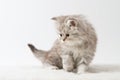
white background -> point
(28, 21)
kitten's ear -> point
(72, 23)
(59, 19)
(54, 18)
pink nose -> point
(63, 39)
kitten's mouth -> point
(71, 42)
(62, 41)
(66, 41)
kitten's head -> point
(69, 29)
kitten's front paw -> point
(68, 69)
(81, 71)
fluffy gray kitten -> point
(74, 49)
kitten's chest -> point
(76, 52)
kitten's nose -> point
(64, 38)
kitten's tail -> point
(33, 49)
(40, 54)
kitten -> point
(76, 45)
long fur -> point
(76, 45)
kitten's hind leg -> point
(50, 67)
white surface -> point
(99, 72)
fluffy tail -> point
(33, 49)
(40, 54)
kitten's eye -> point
(61, 35)
(67, 35)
